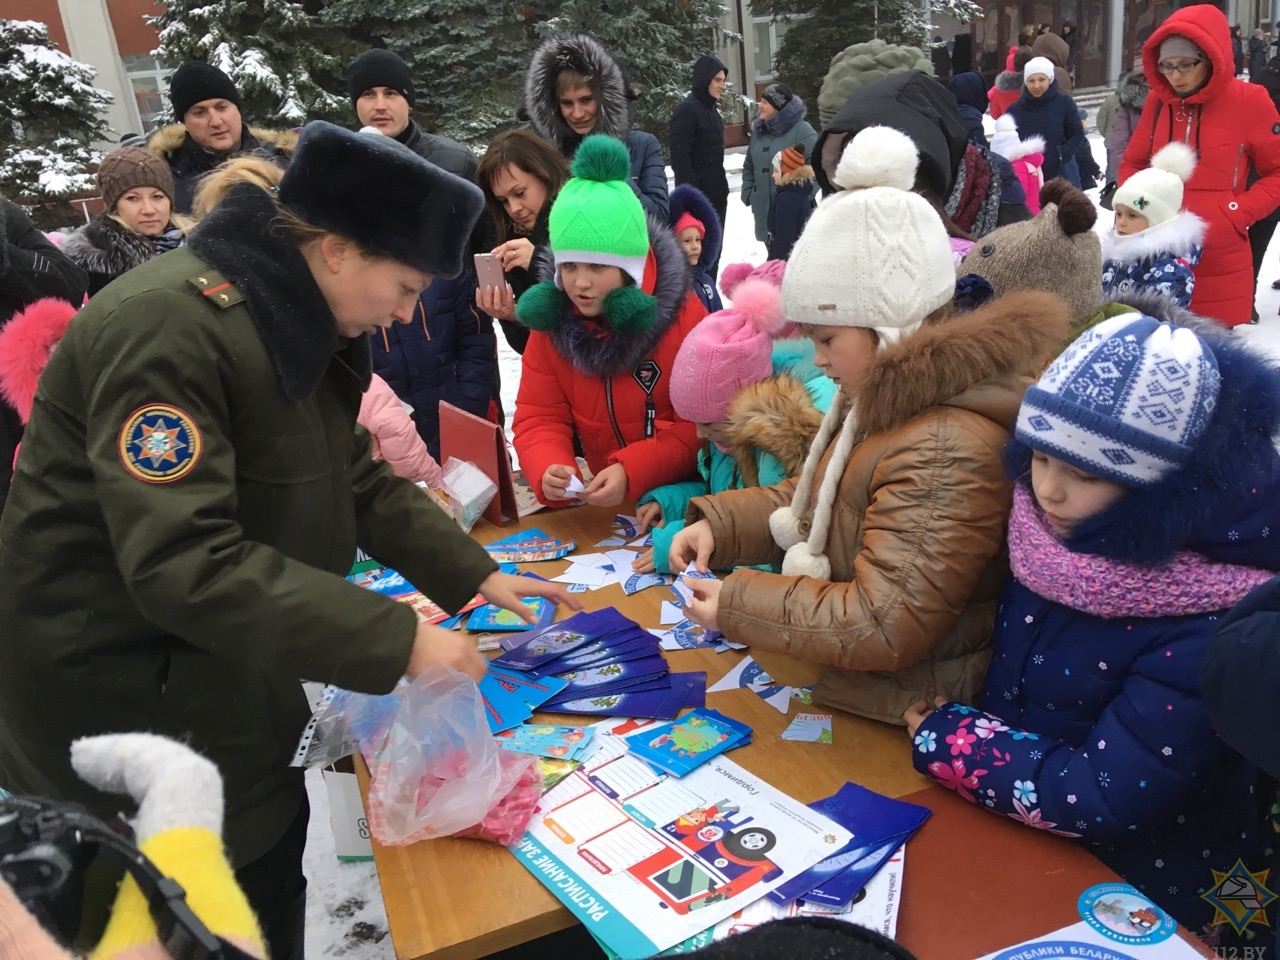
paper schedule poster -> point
(646, 861)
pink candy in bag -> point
(436, 771)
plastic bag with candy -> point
(436, 772)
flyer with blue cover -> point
(646, 861)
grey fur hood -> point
(579, 342)
(1008, 80)
(106, 246)
(1133, 90)
(587, 55)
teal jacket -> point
(770, 427)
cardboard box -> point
(351, 839)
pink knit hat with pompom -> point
(729, 350)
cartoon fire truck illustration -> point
(711, 857)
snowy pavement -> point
(345, 915)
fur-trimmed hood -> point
(590, 57)
(168, 140)
(106, 246)
(1029, 147)
(1193, 506)
(1133, 90)
(1009, 80)
(593, 348)
(981, 360)
(687, 198)
(26, 343)
(800, 175)
(776, 416)
(1181, 237)
(792, 113)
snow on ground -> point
(345, 915)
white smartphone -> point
(489, 271)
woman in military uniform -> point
(192, 488)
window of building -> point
(768, 37)
(150, 82)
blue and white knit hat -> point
(1127, 401)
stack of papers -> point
(880, 826)
(687, 635)
(681, 747)
(530, 547)
(373, 576)
(606, 664)
(556, 743)
(510, 697)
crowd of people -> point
(1011, 481)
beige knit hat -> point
(1056, 251)
(127, 167)
(875, 255)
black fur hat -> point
(382, 195)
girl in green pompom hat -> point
(606, 321)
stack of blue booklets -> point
(608, 665)
(880, 825)
(686, 744)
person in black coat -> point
(970, 91)
(697, 136)
(445, 353)
(1258, 47)
(1237, 50)
(31, 268)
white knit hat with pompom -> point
(873, 255)
(1156, 192)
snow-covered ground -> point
(345, 915)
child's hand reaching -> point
(918, 711)
(608, 488)
(694, 544)
(705, 608)
(555, 481)
(648, 515)
(643, 563)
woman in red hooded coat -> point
(1234, 129)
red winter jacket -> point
(581, 377)
(1231, 125)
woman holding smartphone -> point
(521, 175)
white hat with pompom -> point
(874, 254)
(1156, 192)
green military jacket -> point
(191, 490)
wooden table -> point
(973, 882)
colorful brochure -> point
(685, 690)
(682, 746)
(558, 639)
(562, 743)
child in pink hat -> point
(757, 401)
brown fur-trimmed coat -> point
(917, 531)
(774, 416)
(190, 162)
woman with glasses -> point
(1235, 131)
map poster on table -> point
(646, 861)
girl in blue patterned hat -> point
(1144, 509)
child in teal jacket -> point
(757, 402)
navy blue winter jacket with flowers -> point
(1160, 258)
(1092, 723)
(1093, 727)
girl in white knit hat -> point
(890, 539)
(1155, 243)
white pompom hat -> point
(1156, 192)
(874, 255)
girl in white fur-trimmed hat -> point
(889, 541)
(1155, 243)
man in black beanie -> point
(381, 89)
(209, 130)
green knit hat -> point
(597, 217)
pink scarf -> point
(1187, 584)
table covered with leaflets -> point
(965, 885)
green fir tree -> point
(285, 61)
(51, 115)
